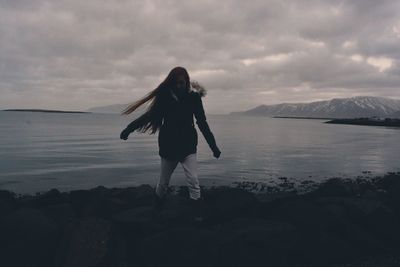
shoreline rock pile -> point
(339, 223)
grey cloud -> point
(98, 53)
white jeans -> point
(189, 165)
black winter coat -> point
(178, 137)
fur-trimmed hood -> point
(198, 88)
(195, 87)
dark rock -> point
(50, 197)
(334, 187)
(176, 212)
(103, 207)
(390, 182)
(61, 213)
(358, 207)
(88, 244)
(95, 203)
(183, 246)
(335, 210)
(79, 200)
(361, 241)
(181, 211)
(384, 224)
(321, 248)
(354, 208)
(299, 211)
(8, 202)
(101, 191)
(28, 238)
(137, 222)
(255, 242)
(340, 222)
(142, 195)
(228, 203)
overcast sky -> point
(74, 54)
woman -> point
(174, 102)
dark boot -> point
(197, 209)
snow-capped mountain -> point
(396, 115)
(360, 106)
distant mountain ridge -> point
(116, 108)
(353, 107)
(45, 110)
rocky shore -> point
(340, 222)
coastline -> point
(340, 222)
(45, 111)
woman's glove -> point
(124, 134)
(216, 152)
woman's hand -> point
(216, 153)
(124, 134)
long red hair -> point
(154, 120)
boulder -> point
(180, 246)
(255, 242)
(228, 203)
(88, 243)
(8, 202)
(28, 238)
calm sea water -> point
(40, 151)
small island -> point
(46, 110)
(388, 122)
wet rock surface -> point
(339, 222)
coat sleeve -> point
(139, 122)
(201, 122)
